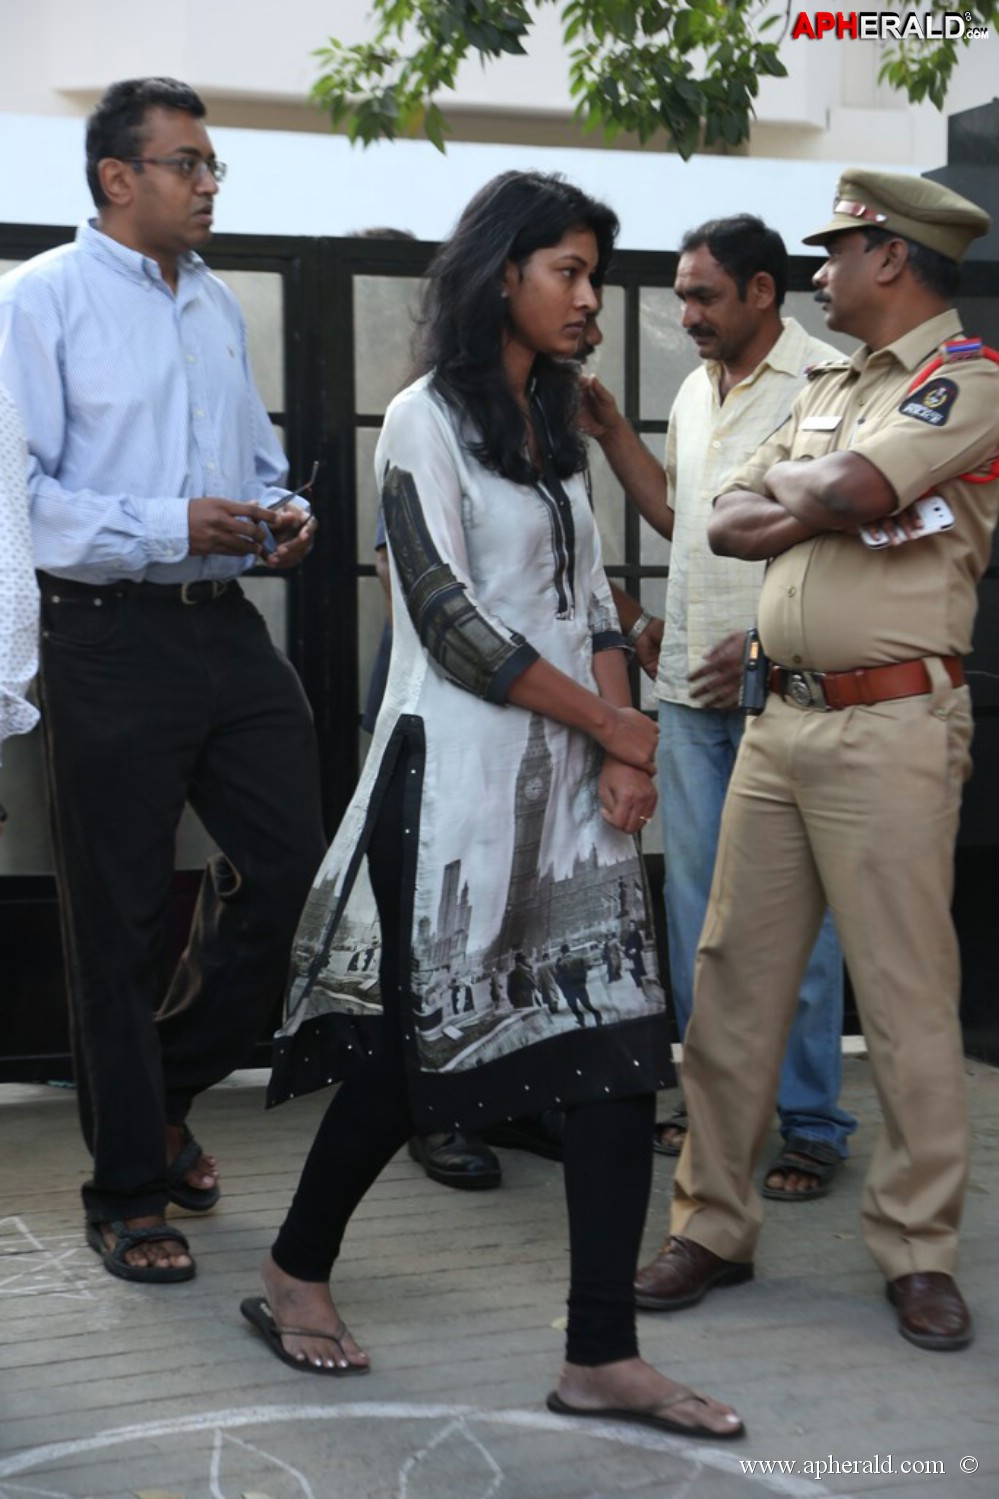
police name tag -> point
(819, 423)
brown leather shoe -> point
(682, 1274)
(932, 1313)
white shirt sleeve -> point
(18, 589)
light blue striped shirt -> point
(18, 591)
(134, 401)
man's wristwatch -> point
(639, 627)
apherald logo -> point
(884, 25)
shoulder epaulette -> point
(812, 371)
(955, 349)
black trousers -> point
(148, 702)
(607, 1163)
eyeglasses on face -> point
(191, 168)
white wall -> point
(253, 56)
(287, 183)
(247, 49)
(853, 117)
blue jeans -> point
(697, 749)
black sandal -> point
(126, 1238)
(807, 1158)
(676, 1121)
(195, 1199)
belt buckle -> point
(217, 586)
(804, 689)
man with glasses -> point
(156, 481)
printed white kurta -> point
(515, 884)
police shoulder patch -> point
(932, 402)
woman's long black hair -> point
(464, 317)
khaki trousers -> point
(859, 809)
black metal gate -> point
(340, 351)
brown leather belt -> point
(832, 690)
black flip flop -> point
(180, 1192)
(125, 1238)
(259, 1315)
(648, 1418)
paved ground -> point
(109, 1390)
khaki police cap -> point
(913, 207)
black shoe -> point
(544, 1136)
(457, 1160)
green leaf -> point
(434, 127)
(771, 65)
(690, 70)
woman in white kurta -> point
(489, 851)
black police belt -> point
(199, 591)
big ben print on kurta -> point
(506, 850)
(531, 795)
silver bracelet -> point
(639, 627)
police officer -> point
(847, 788)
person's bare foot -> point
(670, 1137)
(669, 1134)
(632, 1384)
(308, 1304)
(158, 1254)
(790, 1183)
(805, 1169)
(204, 1174)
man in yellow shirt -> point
(731, 281)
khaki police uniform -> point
(857, 807)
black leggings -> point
(608, 1153)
